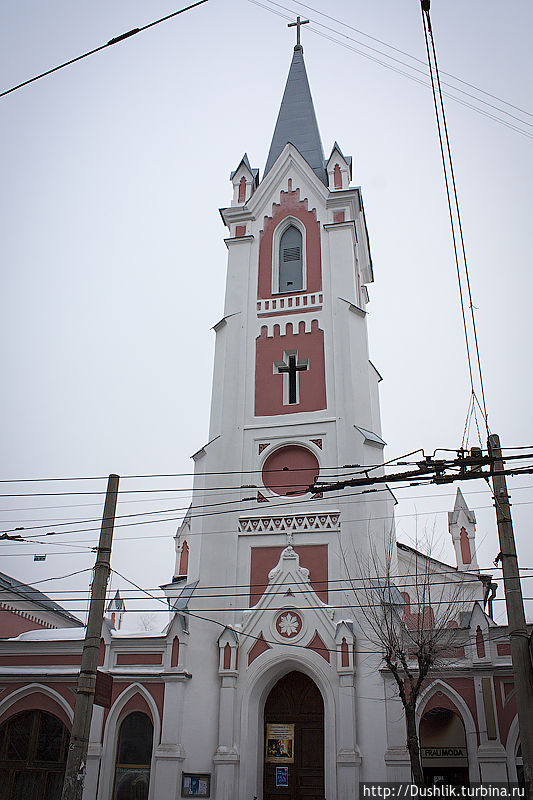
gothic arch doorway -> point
(294, 740)
(443, 747)
(33, 754)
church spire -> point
(297, 121)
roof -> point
(116, 604)
(460, 505)
(297, 122)
(32, 595)
(244, 160)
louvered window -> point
(291, 254)
(290, 261)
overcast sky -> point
(113, 261)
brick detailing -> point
(290, 523)
(128, 659)
(227, 656)
(290, 205)
(259, 647)
(175, 655)
(480, 643)
(184, 560)
(312, 381)
(505, 699)
(317, 644)
(313, 557)
(465, 688)
(503, 649)
(417, 619)
(466, 555)
(345, 659)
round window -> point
(290, 470)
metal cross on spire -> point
(298, 24)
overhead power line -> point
(87, 545)
(111, 42)
(399, 71)
(244, 635)
(408, 55)
(232, 472)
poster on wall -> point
(193, 785)
(282, 776)
(279, 743)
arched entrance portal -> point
(33, 754)
(443, 747)
(294, 740)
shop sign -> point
(444, 752)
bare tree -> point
(147, 622)
(412, 608)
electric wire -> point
(424, 83)
(33, 539)
(450, 212)
(157, 499)
(89, 546)
(239, 632)
(472, 576)
(355, 470)
(190, 511)
(409, 66)
(111, 42)
(240, 472)
(408, 55)
(429, 31)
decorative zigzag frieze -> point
(290, 523)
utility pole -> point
(516, 618)
(83, 710)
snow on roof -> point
(50, 635)
(29, 593)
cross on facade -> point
(291, 367)
(298, 24)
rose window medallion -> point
(288, 624)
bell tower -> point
(260, 561)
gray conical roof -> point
(297, 121)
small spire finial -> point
(298, 24)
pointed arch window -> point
(33, 754)
(184, 560)
(134, 756)
(291, 261)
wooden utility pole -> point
(81, 725)
(516, 618)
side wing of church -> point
(265, 684)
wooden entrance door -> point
(296, 700)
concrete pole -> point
(516, 618)
(79, 738)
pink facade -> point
(269, 385)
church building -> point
(265, 684)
